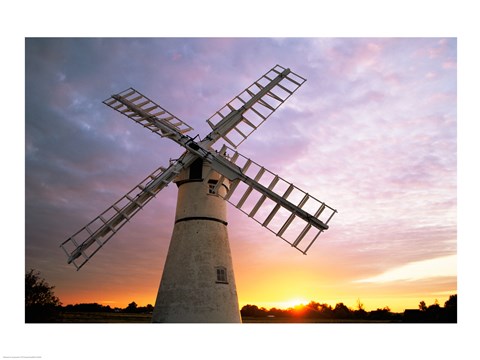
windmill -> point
(198, 283)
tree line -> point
(41, 305)
(131, 308)
(316, 310)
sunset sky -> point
(372, 132)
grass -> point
(127, 318)
(299, 320)
(104, 317)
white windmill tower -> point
(198, 283)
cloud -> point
(418, 270)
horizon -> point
(284, 305)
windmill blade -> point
(147, 113)
(85, 243)
(249, 109)
(281, 207)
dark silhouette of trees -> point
(253, 311)
(88, 307)
(360, 313)
(341, 311)
(326, 311)
(433, 313)
(148, 308)
(451, 302)
(41, 304)
(360, 305)
(134, 308)
(313, 310)
(98, 308)
(274, 312)
(451, 309)
(316, 310)
(131, 308)
(380, 314)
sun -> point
(294, 303)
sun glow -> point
(292, 303)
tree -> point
(380, 314)
(41, 304)
(132, 307)
(422, 306)
(451, 309)
(326, 311)
(360, 313)
(253, 311)
(38, 291)
(360, 305)
(145, 309)
(451, 302)
(341, 311)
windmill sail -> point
(85, 243)
(147, 113)
(276, 204)
(249, 109)
(281, 207)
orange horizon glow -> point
(270, 286)
(369, 303)
(284, 285)
(397, 306)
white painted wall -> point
(189, 291)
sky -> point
(372, 132)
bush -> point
(41, 304)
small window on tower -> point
(221, 275)
(211, 186)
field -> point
(104, 317)
(293, 320)
(126, 318)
